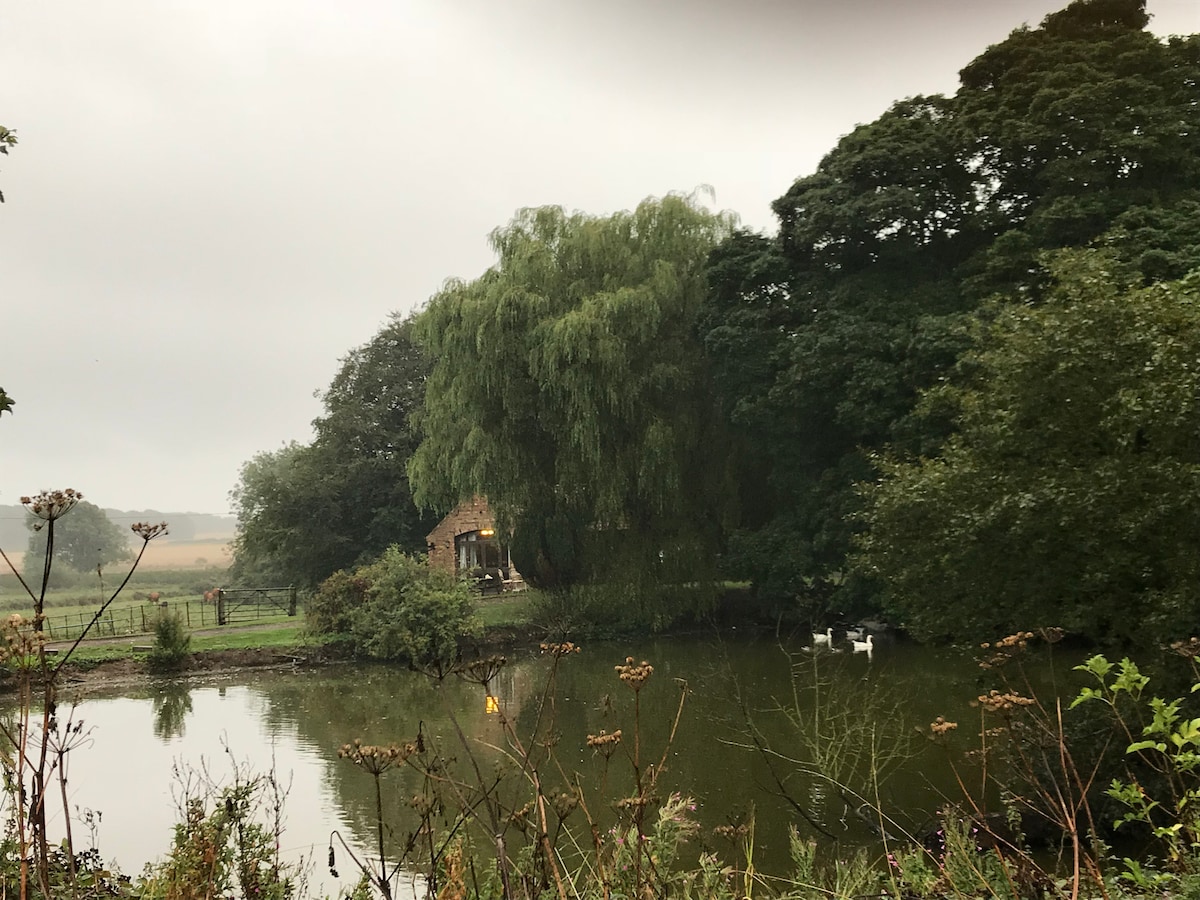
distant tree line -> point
(958, 385)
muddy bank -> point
(133, 669)
(207, 662)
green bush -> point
(333, 605)
(395, 608)
(171, 643)
(222, 848)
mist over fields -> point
(185, 528)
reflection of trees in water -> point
(172, 703)
(327, 708)
(380, 705)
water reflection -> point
(792, 739)
(172, 702)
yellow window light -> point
(492, 706)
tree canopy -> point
(1083, 131)
(84, 540)
(570, 388)
(306, 511)
(1070, 493)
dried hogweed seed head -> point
(50, 505)
(376, 759)
(559, 650)
(995, 701)
(482, 671)
(147, 531)
(940, 726)
(634, 675)
(1189, 648)
(565, 804)
(604, 742)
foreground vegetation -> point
(519, 820)
(526, 826)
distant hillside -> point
(182, 526)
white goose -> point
(823, 640)
(857, 633)
(864, 646)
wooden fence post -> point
(220, 607)
(292, 600)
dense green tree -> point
(84, 539)
(570, 388)
(283, 506)
(305, 511)
(1082, 131)
(1070, 493)
(1068, 126)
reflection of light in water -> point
(131, 776)
(819, 796)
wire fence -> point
(251, 607)
(128, 620)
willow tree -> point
(570, 388)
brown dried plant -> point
(38, 747)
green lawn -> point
(504, 609)
(284, 635)
(287, 631)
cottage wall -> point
(470, 515)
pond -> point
(777, 730)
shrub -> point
(395, 608)
(332, 607)
(227, 844)
(171, 643)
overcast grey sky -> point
(212, 202)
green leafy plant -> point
(397, 607)
(171, 643)
(1168, 743)
(35, 739)
(227, 844)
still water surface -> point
(818, 715)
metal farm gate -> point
(238, 606)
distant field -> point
(187, 554)
(167, 554)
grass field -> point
(181, 588)
(88, 592)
